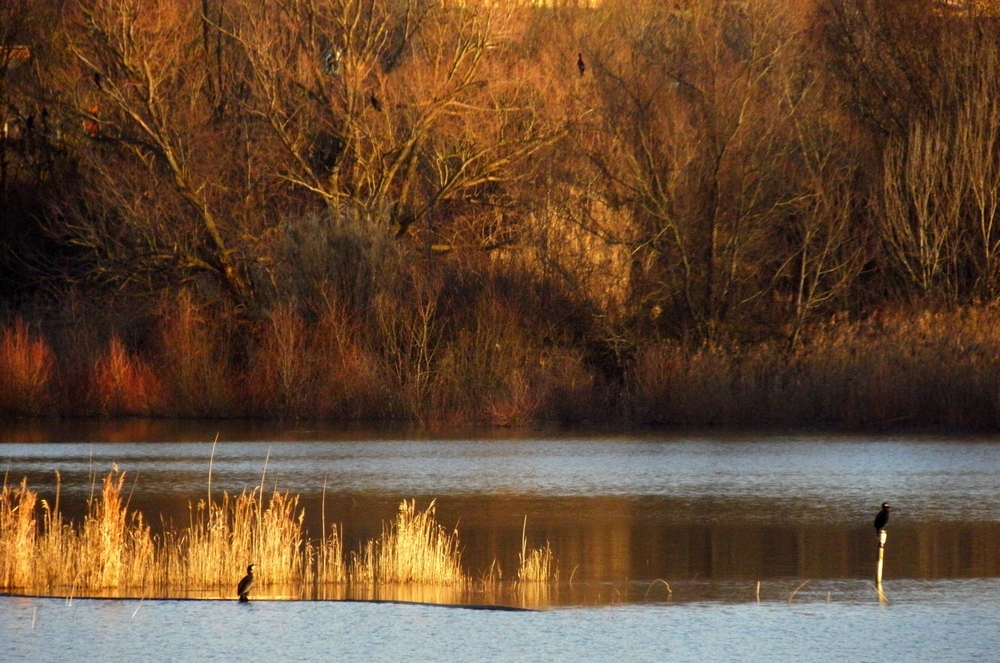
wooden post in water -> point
(881, 552)
(878, 571)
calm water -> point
(932, 621)
(711, 515)
(615, 508)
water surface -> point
(953, 621)
(709, 514)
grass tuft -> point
(413, 548)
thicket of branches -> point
(486, 209)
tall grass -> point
(112, 548)
(236, 531)
(536, 564)
(19, 543)
(113, 551)
(536, 571)
(413, 548)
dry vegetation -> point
(114, 552)
(745, 213)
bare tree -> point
(941, 184)
(889, 54)
(687, 136)
(14, 55)
(827, 247)
(169, 183)
(976, 141)
(399, 108)
(921, 210)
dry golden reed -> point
(112, 548)
(413, 548)
(535, 565)
(114, 552)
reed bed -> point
(114, 552)
(413, 548)
(112, 548)
(224, 536)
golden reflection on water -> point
(615, 539)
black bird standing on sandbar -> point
(882, 518)
(580, 64)
(244, 587)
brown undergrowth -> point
(26, 371)
(894, 370)
(900, 369)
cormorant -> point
(882, 518)
(244, 587)
(376, 104)
(580, 64)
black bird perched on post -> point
(580, 64)
(244, 587)
(882, 518)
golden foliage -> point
(26, 370)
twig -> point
(670, 592)
(804, 583)
(211, 459)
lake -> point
(765, 541)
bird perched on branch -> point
(244, 587)
(580, 65)
(882, 518)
